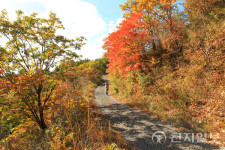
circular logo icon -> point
(159, 137)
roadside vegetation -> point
(45, 104)
(167, 57)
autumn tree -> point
(32, 49)
(79, 72)
(126, 45)
(149, 35)
(164, 28)
(206, 30)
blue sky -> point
(93, 19)
(108, 9)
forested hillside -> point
(46, 91)
(167, 57)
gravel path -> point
(138, 129)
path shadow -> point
(138, 130)
(142, 131)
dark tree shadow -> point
(138, 129)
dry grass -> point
(73, 123)
(92, 132)
(189, 98)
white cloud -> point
(114, 24)
(79, 18)
(94, 50)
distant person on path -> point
(107, 87)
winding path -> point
(138, 129)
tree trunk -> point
(41, 122)
(43, 127)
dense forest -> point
(166, 57)
(46, 91)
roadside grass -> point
(73, 123)
(187, 98)
(92, 132)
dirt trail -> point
(138, 129)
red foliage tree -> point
(126, 45)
